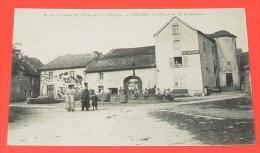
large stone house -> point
(65, 70)
(27, 82)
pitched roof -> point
(70, 61)
(221, 33)
(186, 24)
(123, 58)
(30, 66)
(171, 21)
(35, 63)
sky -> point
(48, 33)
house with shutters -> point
(65, 70)
(26, 83)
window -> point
(176, 44)
(30, 93)
(175, 29)
(178, 81)
(228, 63)
(50, 76)
(204, 46)
(31, 80)
(215, 67)
(25, 93)
(178, 62)
(101, 76)
(100, 88)
(72, 73)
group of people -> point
(86, 97)
(166, 94)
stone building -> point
(185, 58)
(227, 56)
(27, 82)
(65, 70)
(115, 69)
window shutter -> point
(171, 61)
(185, 61)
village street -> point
(132, 124)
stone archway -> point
(139, 84)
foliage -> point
(17, 59)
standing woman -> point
(85, 99)
(70, 98)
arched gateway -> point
(129, 86)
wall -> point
(115, 79)
(226, 47)
(208, 58)
(60, 82)
(20, 83)
(164, 49)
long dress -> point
(85, 99)
(70, 99)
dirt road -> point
(130, 124)
(121, 125)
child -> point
(95, 100)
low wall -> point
(43, 101)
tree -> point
(17, 59)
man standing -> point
(85, 98)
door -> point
(50, 91)
(229, 79)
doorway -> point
(127, 84)
(229, 79)
(50, 91)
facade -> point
(115, 70)
(27, 82)
(65, 70)
(185, 58)
(227, 55)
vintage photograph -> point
(130, 77)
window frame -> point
(179, 81)
(177, 65)
(31, 80)
(101, 76)
(72, 74)
(100, 87)
(50, 76)
(204, 46)
(25, 93)
(184, 62)
(175, 29)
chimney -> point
(98, 55)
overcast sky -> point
(49, 33)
